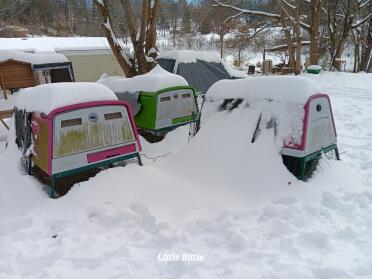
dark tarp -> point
(167, 64)
(200, 75)
(132, 99)
(23, 129)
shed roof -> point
(47, 97)
(32, 58)
(285, 47)
(288, 89)
(153, 81)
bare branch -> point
(247, 12)
(289, 5)
(362, 4)
(362, 21)
(232, 17)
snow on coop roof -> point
(153, 81)
(32, 58)
(289, 89)
(47, 97)
(192, 56)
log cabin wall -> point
(17, 74)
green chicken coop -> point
(160, 101)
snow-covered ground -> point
(218, 196)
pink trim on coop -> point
(102, 155)
(302, 145)
(54, 112)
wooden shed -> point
(20, 70)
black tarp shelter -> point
(201, 69)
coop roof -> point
(32, 58)
(47, 97)
(153, 81)
(289, 89)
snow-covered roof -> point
(289, 89)
(153, 81)
(47, 97)
(190, 56)
(33, 59)
(57, 44)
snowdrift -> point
(219, 195)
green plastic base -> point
(303, 167)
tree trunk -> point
(222, 41)
(356, 37)
(316, 10)
(117, 50)
(366, 55)
(143, 39)
(298, 68)
(340, 49)
(288, 37)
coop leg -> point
(52, 187)
(337, 154)
(139, 160)
(302, 169)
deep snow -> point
(218, 195)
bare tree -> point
(142, 34)
(343, 17)
(244, 35)
(365, 63)
(288, 17)
(7, 7)
(313, 27)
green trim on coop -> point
(147, 117)
(303, 167)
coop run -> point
(70, 131)
(160, 101)
(293, 107)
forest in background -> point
(331, 26)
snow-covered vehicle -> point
(161, 101)
(67, 129)
(300, 116)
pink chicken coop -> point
(67, 129)
(293, 106)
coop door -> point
(174, 104)
(320, 132)
(89, 129)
